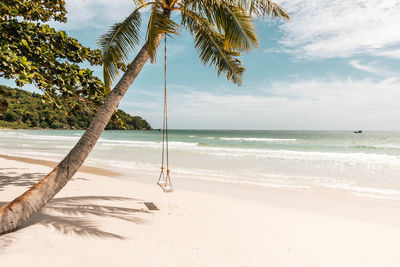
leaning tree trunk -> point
(18, 211)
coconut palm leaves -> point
(211, 46)
(159, 24)
(223, 30)
(117, 44)
(234, 22)
(262, 8)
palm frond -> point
(223, 30)
(211, 46)
(238, 27)
(262, 8)
(139, 2)
(159, 24)
(234, 22)
(117, 44)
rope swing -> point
(164, 181)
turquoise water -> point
(364, 164)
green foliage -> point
(35, 53)
(223, 30)
(211, 47)
(43, 10)
(3, 101)
(28, 110)
(159, 24)
(262, 8)
(128, 122)
(113, 54)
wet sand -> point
(98, 221)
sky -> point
(334, 66)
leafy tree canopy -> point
(23, 109)
(34, 53)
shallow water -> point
(365, 164)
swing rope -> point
(164, 181)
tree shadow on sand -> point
(69, 215)
(10, 177)
(72, 216)
(5, 241)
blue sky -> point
(335, 65)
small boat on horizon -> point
(358, 131)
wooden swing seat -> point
(164, 181)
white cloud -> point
(356, 64)
(341, 28)
(371, 68)
(174, 49)
(273, 50)
(395, 53)
(311, 104)
(97, 14)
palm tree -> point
(223, 30)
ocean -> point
(366, 164)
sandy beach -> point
(107, 221)
(278, 124)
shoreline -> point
(337, 203)
(102, 221)
(295, 160)
(330, 202)
(52, 164)
(77, 129)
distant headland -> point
(21, 109)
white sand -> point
(102, 221)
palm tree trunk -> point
(18, 211)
